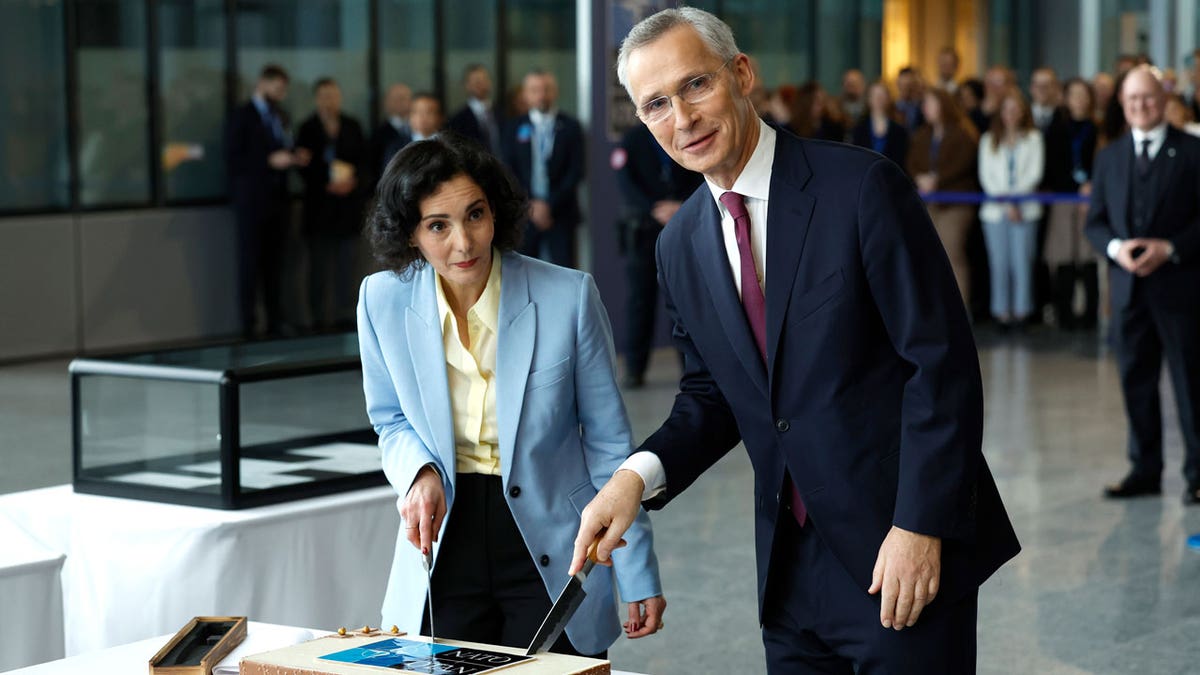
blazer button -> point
(514, 491)
(545, 560)
(781, 425)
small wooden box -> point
(199, 646)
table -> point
(135, 569)
(132, 658)
(31, 609)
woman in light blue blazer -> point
(489, 379)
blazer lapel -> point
(1166, 172)
(1120, 198)
(517, 326)
(789, 213)
(424, 332)
(708, 244)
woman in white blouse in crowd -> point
(1011, 160)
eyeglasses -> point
(692, 92)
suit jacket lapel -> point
(424, 332)
(1120, 199)
(517, 326)
(1165, 172)
(789, 213)
(708, 245)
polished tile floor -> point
(1101, 587)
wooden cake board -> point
(305, 658)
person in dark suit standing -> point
(545, 151)
(395, 132)
(822, 328)
(477, 119)
(258, 154)
(880, 128)
(336, 182)
(1145, 219)
(653, 188)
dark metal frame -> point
(228, 382)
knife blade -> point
(564, 607)
(427, 563)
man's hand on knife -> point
(607, 517)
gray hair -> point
(715, 33)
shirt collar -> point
(755, 180)
(486, 308)
(480, 108)
(539, 118)
(398, 123)
(261, 104)
(1156, 135)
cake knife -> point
(427, 563)
(564, 607)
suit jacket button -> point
(782, 425)
(514, 491)
(545, 560)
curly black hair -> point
(418, 171)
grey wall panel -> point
(157, 276)
(38, 303)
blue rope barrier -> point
(979, 198)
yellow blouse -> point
(471, 372)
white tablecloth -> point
(132, 658)
(31, 611)
(137, 569)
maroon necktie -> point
(755, 306)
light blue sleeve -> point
(404, 453)
(608, 439)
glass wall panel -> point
(114, 160)
(311, 40)
(541, 34)
(470, 31)
(406, 45)
(850, 36)
(1124, 29)
(779, 33)
(192, 67)
(34, 172)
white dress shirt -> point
(754, 184)
(1157, 136)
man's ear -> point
(744, 73)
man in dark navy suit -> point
(821, 327)
(477, 119)
(258, 154)
(1145, 218)
(653, 187)
(544, 149)
(394, 133)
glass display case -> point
(224, 427)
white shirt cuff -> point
(1113, 248)
(647, 465)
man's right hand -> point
(280, 160)
(539, 214)
(423, 509)
(1125, 254)
(610, 512)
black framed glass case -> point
(226, 427)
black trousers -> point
(486, 587)
(641, 275)
(332, 260)
(262, 232)
(1145, 332)
(817, 620)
